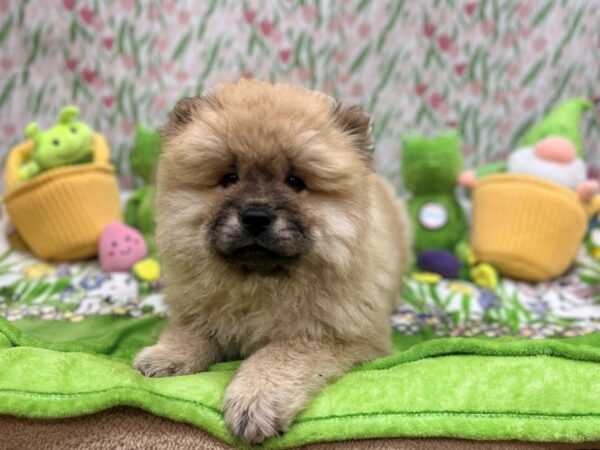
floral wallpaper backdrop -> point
(490, 67)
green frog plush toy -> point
(430, 167)
(68, 142)
(143, 158)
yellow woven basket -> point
(61, 212)
(527, 227)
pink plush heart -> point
(120, 247)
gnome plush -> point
(551, 150)
(554, 158)
(530, 213)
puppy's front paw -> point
(252, 415)
(158, 361)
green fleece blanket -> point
(68, 333)
(478, 388)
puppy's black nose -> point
(257, 219)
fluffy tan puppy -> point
(279, 245)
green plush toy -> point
(430, 167)
(143, 158)
(139, 213)
(67, 142)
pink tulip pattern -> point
(490, 67)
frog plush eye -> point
(73, 130)
(56, 142)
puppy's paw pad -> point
(253, 418)
(155, 361)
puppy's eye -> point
(229, 179)
(295, 183)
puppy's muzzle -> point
(257, 219)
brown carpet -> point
(133, 429)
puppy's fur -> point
(311, 296)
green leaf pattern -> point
(487, 66)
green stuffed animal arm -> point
(29, 170)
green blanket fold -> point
(477, 388)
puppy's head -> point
(261, 177)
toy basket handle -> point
(16, 157)
(21, 153)
(101, 150)
(594, 205)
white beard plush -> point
(526, 162)
(554, 159)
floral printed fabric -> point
(569, 306)
(490, 67)
(35, 288)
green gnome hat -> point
(563, 121)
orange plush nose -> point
(556, 149)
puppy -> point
(279, 245)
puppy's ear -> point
(356, 123)
(179, 116)
(183, 112)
